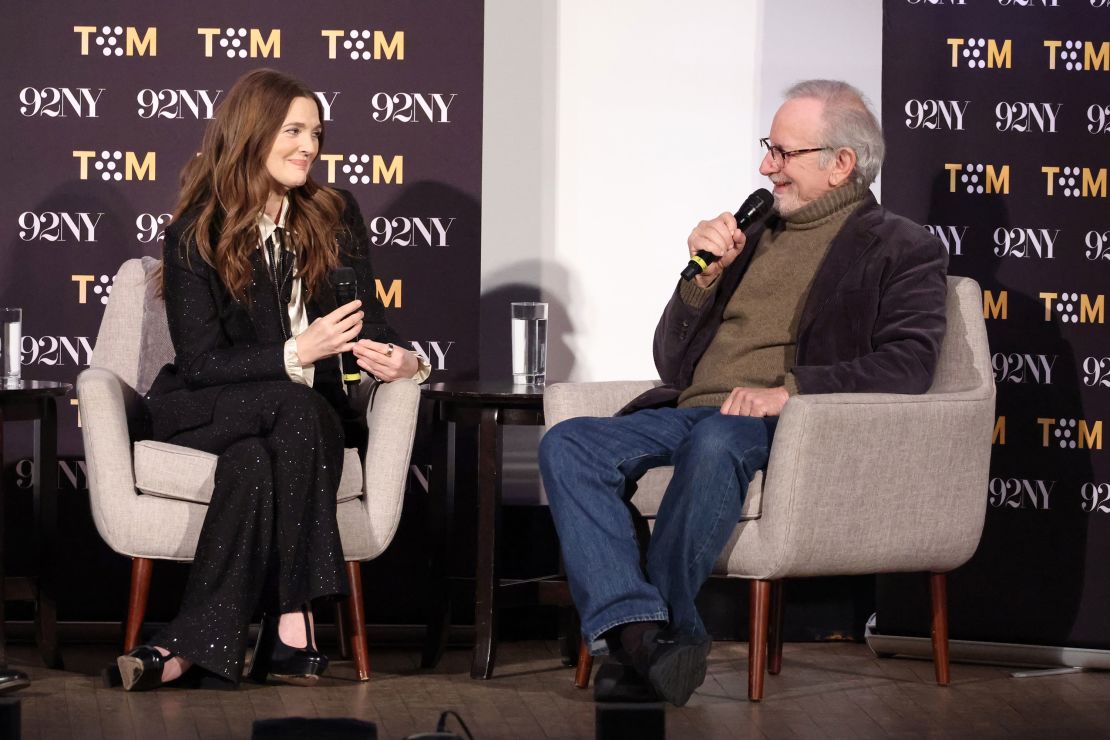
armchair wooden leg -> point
(342, 631)
(357, 621)
(938, 592)
(774, 629)
(585, 665)
(757, 637)
(141, 570)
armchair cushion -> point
(185, 474)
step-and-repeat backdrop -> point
(997, 119)
(103, 103)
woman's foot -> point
(288, 655)
(296, 629)
(148, 667)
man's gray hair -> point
(849, 123)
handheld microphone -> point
(345, 283)
(755, 207)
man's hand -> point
(720, 237)
(755, 401)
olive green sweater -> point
(755, 344)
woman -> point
(256, 380)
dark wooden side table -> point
(35, 400)
(488, 405)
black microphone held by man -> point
(757, 205)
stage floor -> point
(833, 690)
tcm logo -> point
(57, 351)
(1077, 182)
(980, 53)
(1024, 242)
(365, 44)
(150, 226)
(995, 307)
(1020, 368)
(119, 40)
(978, 178)
(434, 352)
(1098, 245)
(1026, 117)
(412, 107)
(1070, 434)
(118, 165)
(1096, 497)
(199, 104)
(1095, 55)
(365, 168)
(1096, 372)
(1020, 493)
(234, 42)
(54, 102)
(59, 226)
(404, 231)
(1091, 311)
(391, 296)
(101, 287)
(945, 115)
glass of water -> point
(529, 343)
(11, 341)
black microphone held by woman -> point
(757, 205)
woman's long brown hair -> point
(226, 186)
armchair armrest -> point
(391, 419)
(107, 404)
(874, 482)
(563, 401)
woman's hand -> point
(330, 335)
(386, 362)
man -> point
(833, 294)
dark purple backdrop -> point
(970, 97)
(64, 235)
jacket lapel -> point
(264, 309)
(847, 247)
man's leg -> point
(713, 467)
(586, 463)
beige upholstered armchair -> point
(149, 498)
(856, 483)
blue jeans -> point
(586, 463)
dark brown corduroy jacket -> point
(873, 320)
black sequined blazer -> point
(218, 340)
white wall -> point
(610, 128)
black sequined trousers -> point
(270, 536)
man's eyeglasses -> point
(780, 155)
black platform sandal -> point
(273, 658)
(141, 669)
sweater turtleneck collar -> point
(828, 206)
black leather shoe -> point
(13, 681)
(677, 666)
(616, 682)
(674, 665)
(274, 659)
(141, 669)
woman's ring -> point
(389, 350)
